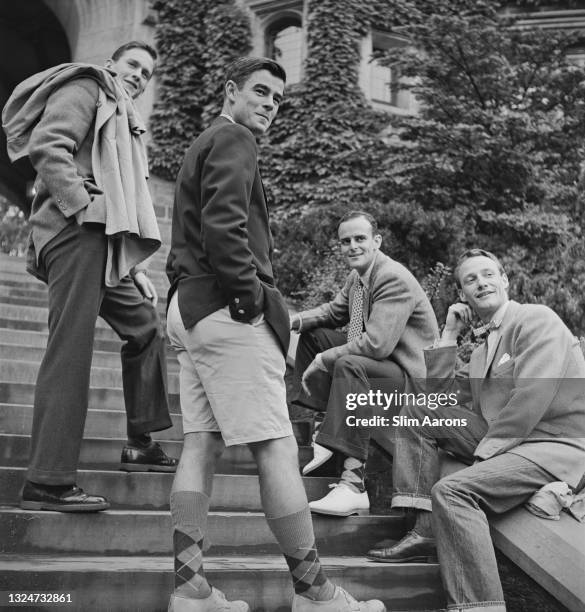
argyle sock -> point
(189, 516)
(423, 525)
(296, 539)
(353, 475)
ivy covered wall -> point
(437, 183)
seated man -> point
(523, 427)
(390, 321)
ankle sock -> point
(189, 517)
(353, 475)
(296, 539)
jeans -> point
(461, 502)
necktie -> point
(356, 322)
(482, 332)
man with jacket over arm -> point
(93, 227)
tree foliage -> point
(195, 39)
(493, 158)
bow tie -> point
(483, 331)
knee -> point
(203, 446)
(148, 329)
(445, 490)
(273, 452)
(348, 364)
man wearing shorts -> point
(230, 327)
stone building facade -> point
(37, 34)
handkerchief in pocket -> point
(505, 357)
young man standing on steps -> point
(520, 425)
(230, 327)
(93, 225)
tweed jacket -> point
(221, 244)
(398, 318)
(82, 134)
(531, 390)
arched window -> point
(284, 43)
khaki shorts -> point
(231, 378)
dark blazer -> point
(531, 392)
(221, 245)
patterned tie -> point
(481, 333)
(356, 322)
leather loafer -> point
(74, 499)
(152, 458)
(411, 549)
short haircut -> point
(239, 71)
(475, 253)
(134, 44)
(355, 214)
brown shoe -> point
(413, 548)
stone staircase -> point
(121, 559)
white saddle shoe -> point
(320, 456)
(342, 501)
(216, 602)
(341, 602)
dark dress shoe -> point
(152, 458)
(73, 499)
(412, 548)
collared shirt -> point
(366, 276)
(492, 338)
(365, 280)
(226, 116)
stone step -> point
(143, 584)
(18, 371)
(24, 282)
(35, 292)
(104, 453)
(147, 532)
(17, 265)
(7, 297)
(30, 298)
(101, 359)
(99, 398)
(16, 418)
(150, 491)
(15, 270)
(27, 339)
